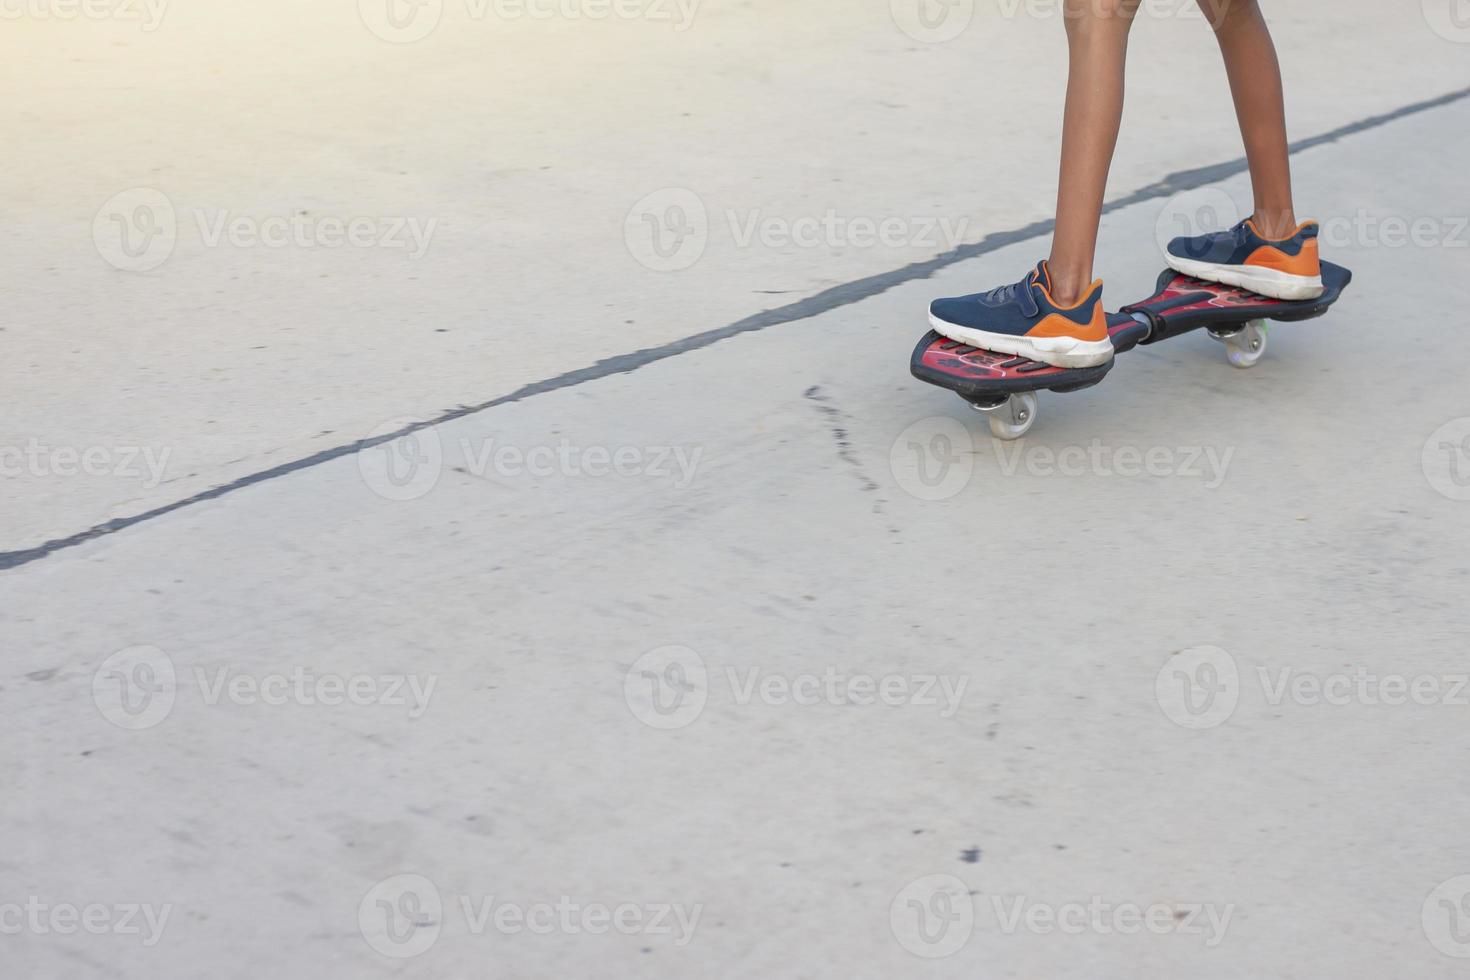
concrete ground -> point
(704, 641)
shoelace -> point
(1019, 291)
(1006, 294)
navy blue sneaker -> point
(1022, 319)
(1289, 268)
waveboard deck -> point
(992, 382)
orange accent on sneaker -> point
(1046, 275)
(1087, 294)
(1306, 263)
(1056, 325)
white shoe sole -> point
(1062, 352)
(1265, 282)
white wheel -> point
(1245, 347)
(1014, 418)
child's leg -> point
(1255, 83)
(1097, 38)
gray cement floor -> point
(762, 659)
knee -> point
(1093, 15)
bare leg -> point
(1255, 84)
(1097, 40)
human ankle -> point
(1275, 224)
(1068, 287)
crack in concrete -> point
(838, 296)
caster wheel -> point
(1244, 347)
(1010, 418)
